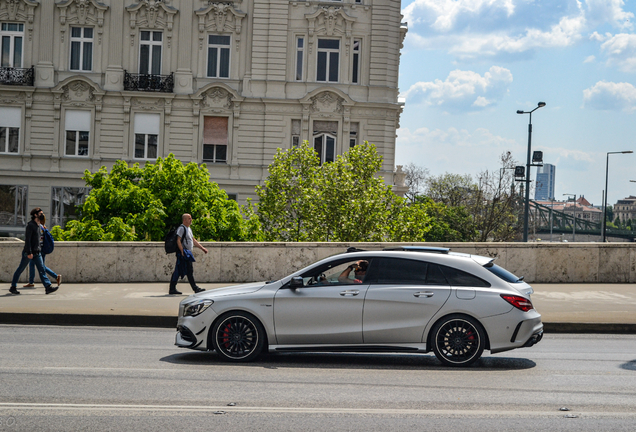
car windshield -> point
(503, 273)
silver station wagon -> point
(409, 299)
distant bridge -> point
(563, 223)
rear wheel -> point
(238, 336)
(458, 340)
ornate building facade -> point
(84, 83)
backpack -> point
(48, 244)
(170, 241)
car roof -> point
(424, 253)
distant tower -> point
(545, 183)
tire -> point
(238, 336)
(458, 340)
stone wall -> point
(246, 262)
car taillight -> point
(519, 302)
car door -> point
(326, 312)
(403, 296)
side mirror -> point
(296, 282)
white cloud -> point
(610, 96)
(453, 150)
(462, 91)
(621, 51)
(473, 29)
(589, 59)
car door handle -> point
(424, 294)
(350, 292)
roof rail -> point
(353, 249)
(429, 249)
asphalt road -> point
(122, 379)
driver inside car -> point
(359, 269)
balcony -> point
(17, 76)
(149, 83)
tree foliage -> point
(346, 200)
(142, 203)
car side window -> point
(341, 272)
(460, 278)
(434, 275)
(400, 271)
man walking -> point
(185, 243)
(31, 251)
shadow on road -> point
(349, 361)
(630, 365)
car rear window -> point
(502, 273)
(460, 278)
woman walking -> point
(50, 272)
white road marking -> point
(303, 410)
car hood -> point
(232, 290)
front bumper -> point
(192, 331)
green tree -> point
(355, 204)
(425, 220)
(135, 203)
(287, 200)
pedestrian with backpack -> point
(47, 244)
(185, 244)
(32, 252)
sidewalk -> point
(576, 308)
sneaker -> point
(51, 289)
(174, 292)
(59, 280)
(198, 290)
(14, 290)
(29, 285)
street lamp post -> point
(604, 226)
(526, 208)
(574, 218)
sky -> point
(467, 66)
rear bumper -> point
(527, 331)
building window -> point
(13, 205)
(295, 133)
(147, 135)
(12, 38)
(65, 204)
(215, 139)
(81, 49)
(355, 67)
(300, 47)
(325, 133)
(150, 52)
(328, 60)
(218, 56)
(353, 134)
(77, 127)
(10, 120)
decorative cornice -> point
(82, 12)
(19, 10)
(220, 17)
(151, 14)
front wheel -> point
(238, 336)
(458, 340)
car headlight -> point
(196, 308)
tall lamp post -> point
(526, 208)
(574, 217)
(604, 226)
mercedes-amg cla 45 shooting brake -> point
(411, 300)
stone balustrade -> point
(246, 262)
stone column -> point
(44, 71)
(183, 75)
(114, 71)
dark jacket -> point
(32, 240)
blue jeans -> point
(32, 270)
(24, 263)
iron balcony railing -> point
(148, 82)
(17, 76)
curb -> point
(171, 322)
